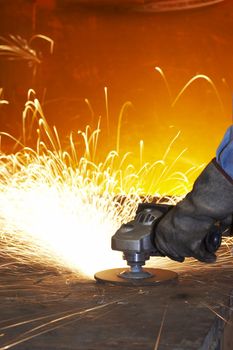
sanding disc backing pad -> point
(159, 276)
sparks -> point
(54, 211)
(60, 209)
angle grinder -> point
(136, 240)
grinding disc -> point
(159, 276)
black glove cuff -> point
(221, 170)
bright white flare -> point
(58, 212)
(60, 225)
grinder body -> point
(136, 238)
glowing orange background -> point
(98, 47)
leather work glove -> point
(182, 231)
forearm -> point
(224, 153)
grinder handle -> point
(212, 240)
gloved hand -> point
(181, 232)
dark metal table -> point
(58, 310)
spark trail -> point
(60, 209)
